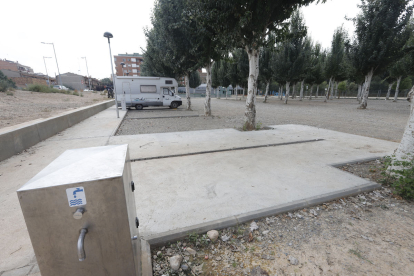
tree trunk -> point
(267, 91)
(405, 150)
(387, 97)
(187, 90)
(301, 90)
(327, 91)
(397, 89)
(310, 94)
(365, 90)
(280, 92)
(287, 91)
(250, 113)
(207, 107)
(332, 89)
(293, 90)
(317, 92)
(359, 93)
(235, 92)
(338, 93)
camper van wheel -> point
(174, 105)
(138, 107)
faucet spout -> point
(81, 247)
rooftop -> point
(130, 55)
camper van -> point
(140, 92)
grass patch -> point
(41, 88)
(359, 255)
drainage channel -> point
(224, 150)
(186, 116)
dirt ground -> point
(25, 106)
(369, 234)
(383, 119)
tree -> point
(265, 68)
(242, 67)
(335, 61)
(317, 65)
(179, 33)
(156, 62)
(290, 57)
(380, 35)
(223, 74)
(195, 79)
(106, 81)
(214, 78)
(247, 24)
(399, 70)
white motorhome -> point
(140, 92)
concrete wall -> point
(15, 139)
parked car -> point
(60, 87)
(87, 90)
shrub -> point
(400, 175)
(43, 89)
(3, 86)
(6, 83)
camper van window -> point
(168, 82)
(165, 91)
(148, 89)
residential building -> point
(133, 63)
(78, 82)
(14, 66)
(22, 79)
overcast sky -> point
(76, 28)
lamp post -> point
(57, 65)
(122, 64)
(109, 35)
(48, 81)
(87, 70)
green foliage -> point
(290, 54)
(400, 175)
(106, 81)
(342, 86)
(195, 79)
(44, 89)
(6, 83)
(381, 33)
(196, 238)
(336, 63)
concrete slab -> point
(220, 187)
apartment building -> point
(132, 67)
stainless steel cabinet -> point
(80, 214)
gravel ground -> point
(383, 119)
(369, 234)
(25, 106)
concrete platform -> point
(205, 186)
(215, 180)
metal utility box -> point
(80, 214)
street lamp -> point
(108, 35)
(48, 81)
(60, 79)
(87, 70)
(122, 64)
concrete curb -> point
(177, 234)
(15, 139)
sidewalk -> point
(16, 252)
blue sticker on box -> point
(76, 196)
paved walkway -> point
(198, 186)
